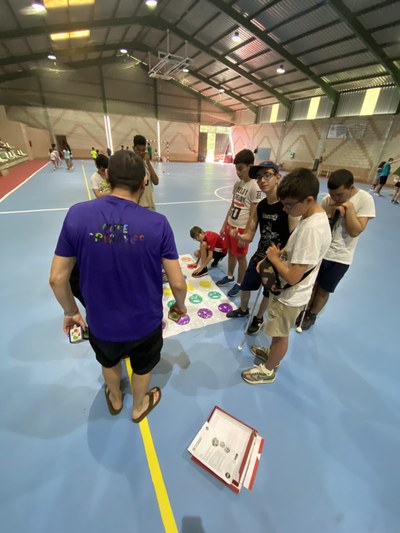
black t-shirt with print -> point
(274, 227)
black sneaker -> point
(255, 326)
(237, 313)
(201, 273)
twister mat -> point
(205, 302)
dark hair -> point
(299, 184)
(139, 140)
(246, 157)
(382, 164)
(340, 177)
(195, 231)
(126, 170)
(101, 161)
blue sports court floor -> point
(330, 420)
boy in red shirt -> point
(211, 248)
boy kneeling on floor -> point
(211, 249)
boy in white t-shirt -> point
(349, 210)
(99, 180)
(246, 195)
(297, 265)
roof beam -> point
(365, 36)
(264, 37)
(153, 22)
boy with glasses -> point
(275, 227)
(297, 265)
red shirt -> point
(214, 242)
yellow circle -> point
(186, 259)
(189, 287)
(205, 284)
(167, 291)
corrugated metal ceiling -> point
(308, 37)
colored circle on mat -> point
(205, 284)
(189, 287)
(195, 299)
(167, 291)
(225, 308)
(186, 259)
(214, 295)
(171, 303)
(163, 325)
(185, 319)
(204, 313)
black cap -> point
(265, 164)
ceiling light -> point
(50, 4)
(151, 3)
(221, 90)
(52, 57)
(236, 37)
(38, 7)
(185, 69)
(123, 51)
(280, 70)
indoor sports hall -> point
(330, 421)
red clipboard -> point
(252, 450)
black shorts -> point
(144, 354)
(383, 180)
(329, 275)
(251, 280)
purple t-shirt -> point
(119, 246)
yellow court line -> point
(167, 516)
(86, 183)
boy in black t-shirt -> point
(275, 227)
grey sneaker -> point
(258, 375)
(262, 353)
(255, 326)
(234, 291)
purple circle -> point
(225, 308)
(204, 313)
(163, 325)
(185, 319)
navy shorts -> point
(329, 275)
(383, 180)
(251, 280)
(144, 353)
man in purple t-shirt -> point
(120, 248)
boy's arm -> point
(291, 273)
(251, 226)
(222, 230)
(153, 174)
(355, 225)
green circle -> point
(195, 299)
(214, 295)
(171, 303)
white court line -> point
(66, 208)
(23, 183)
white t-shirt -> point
(307, 245)
(99, 183)
(244, 194)
(343, 245)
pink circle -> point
(185, 319)
(163, 325)
(204, 313)
(225, 308)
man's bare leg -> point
(263, 307)
(242, 261)
(278, 349)
(140, 385)
(319, 301)
(232, 260)
(112, 377)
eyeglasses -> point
(266, 176)
(290, 206)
